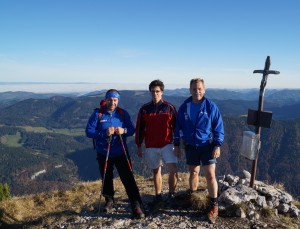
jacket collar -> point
(190, 99)
(159, 102)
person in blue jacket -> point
(199, 124)
(109, 126)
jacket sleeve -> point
(217, 127)
(128, 125)
(91, 129)
(178, 127)
(140, 129)
(174, 118)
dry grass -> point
(233, 208)
(296, 203)
(279, 186)
(32, 207)
(45, 208)
(83, 197)
(290, 223)
(268, 212)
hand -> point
(119, 130)
(177, 151)
(140, 152)
(216, 152)
(110, 131)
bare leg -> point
(194, 177)
(172, 167)
(157, 180)
(212, 185)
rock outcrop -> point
(250, 202)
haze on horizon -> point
(133, 42)
(83, 88)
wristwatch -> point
(125, 130)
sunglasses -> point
(155, 91)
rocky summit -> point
(264, 206)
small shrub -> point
(296, 203)
(279, 186)
(231, 210)
(4, 192)
(199, 200)
(267, 212)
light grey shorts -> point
(156, 156)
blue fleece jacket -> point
(96, 129)
(207, 129)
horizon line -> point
(87, 87)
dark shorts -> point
(199, 155)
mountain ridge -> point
(282, 96)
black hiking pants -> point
(125, 174)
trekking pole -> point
(130, 167)
(124, 150)
(104, 172)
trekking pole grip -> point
(109, 139)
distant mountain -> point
(280, 97)
(277, 96)
(9, 98)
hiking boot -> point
(213, 213)
(137, 212)
(191, 192)
(170, 198)
(157, 203)
(108, 205)
(158, 199)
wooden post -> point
(258, 122)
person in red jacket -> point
(155, 127)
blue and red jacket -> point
(208, 128)
(96, 128)
(155, 124)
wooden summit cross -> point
(260, 118)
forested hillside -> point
(43, 145)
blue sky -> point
(131, 42)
